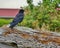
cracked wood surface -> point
(39, 36)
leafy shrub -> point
(43, 15)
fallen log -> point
(27, 37)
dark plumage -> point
(19, 17)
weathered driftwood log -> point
(27, 37)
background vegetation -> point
(41, 17)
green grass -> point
(4, 21)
